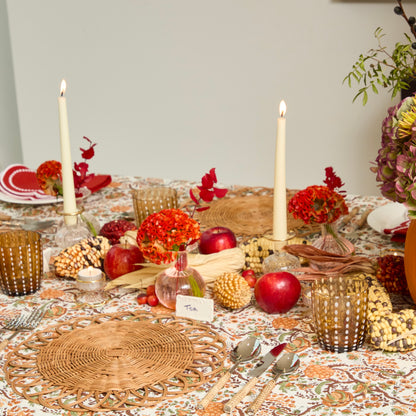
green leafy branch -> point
(378, 68)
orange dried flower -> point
(49, 175)
(164, 232)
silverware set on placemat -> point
(24, 322)
(247, 350)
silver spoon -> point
(286, 364)
(246, 350)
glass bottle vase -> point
(331, 242)
(178, 279)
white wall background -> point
(10, 146)
(171, 88)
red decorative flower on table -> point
(320, 204)
(164, 232)
(49, 175)
(80, 170)
(206, 192)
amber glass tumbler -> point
(147, 201)
(339, 308)
(21, 262)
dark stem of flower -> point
(403, 14)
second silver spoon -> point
(286, 364)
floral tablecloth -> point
(365, 382)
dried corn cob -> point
(88, 252)
(388, 330)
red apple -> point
(277, 292)
(216, 239)
(122, 259)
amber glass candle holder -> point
(339, 312)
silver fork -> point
(15, 322)
(24, 322)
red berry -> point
(150, 290)
(251, 280)
(152, 300)
(248, 272)
(142, 299)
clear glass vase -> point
(332, 242)
(178, 279)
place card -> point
(195, 308)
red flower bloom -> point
(332, 181)
(207, 191)
(164, 232)
(89, 153)
(49, 175)
(317, 204)
(80, 174)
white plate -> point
(15, 200)
(388, 216)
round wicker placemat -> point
(113, 362)
(248, 216)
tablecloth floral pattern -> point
(365, 382)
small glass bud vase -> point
(178, 279)
(332, 242)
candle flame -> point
(63, 87)
(282, 108)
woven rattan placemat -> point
(249, 216)
(113, 362)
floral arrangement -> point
(382, 69)
(320, 204)
(164, 233)
(49, 173)
(396, 161)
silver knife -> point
(261, 367)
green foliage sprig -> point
(379, 68)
